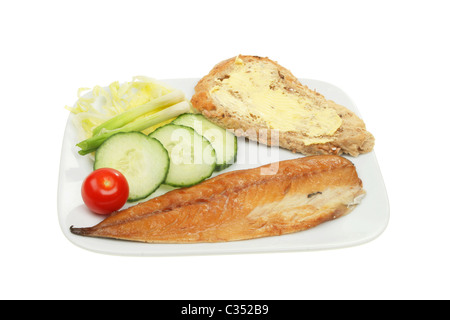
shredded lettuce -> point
(97, 105)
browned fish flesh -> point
(275, 199)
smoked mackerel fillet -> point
(279, 198)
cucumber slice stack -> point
(180, 154)
(142, 160)
(192, 157)
(223, 141)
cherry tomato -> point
(105, 190)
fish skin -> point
(240, 205)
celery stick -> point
(131, 115)
(90, 145)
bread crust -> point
(351, 138)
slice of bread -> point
(263, 101)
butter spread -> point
(252, 90)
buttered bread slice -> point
(263, 101)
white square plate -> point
(363, 224)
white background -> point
(391, 57)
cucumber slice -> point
(223, 141)
(142, 160)
(192, 157)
